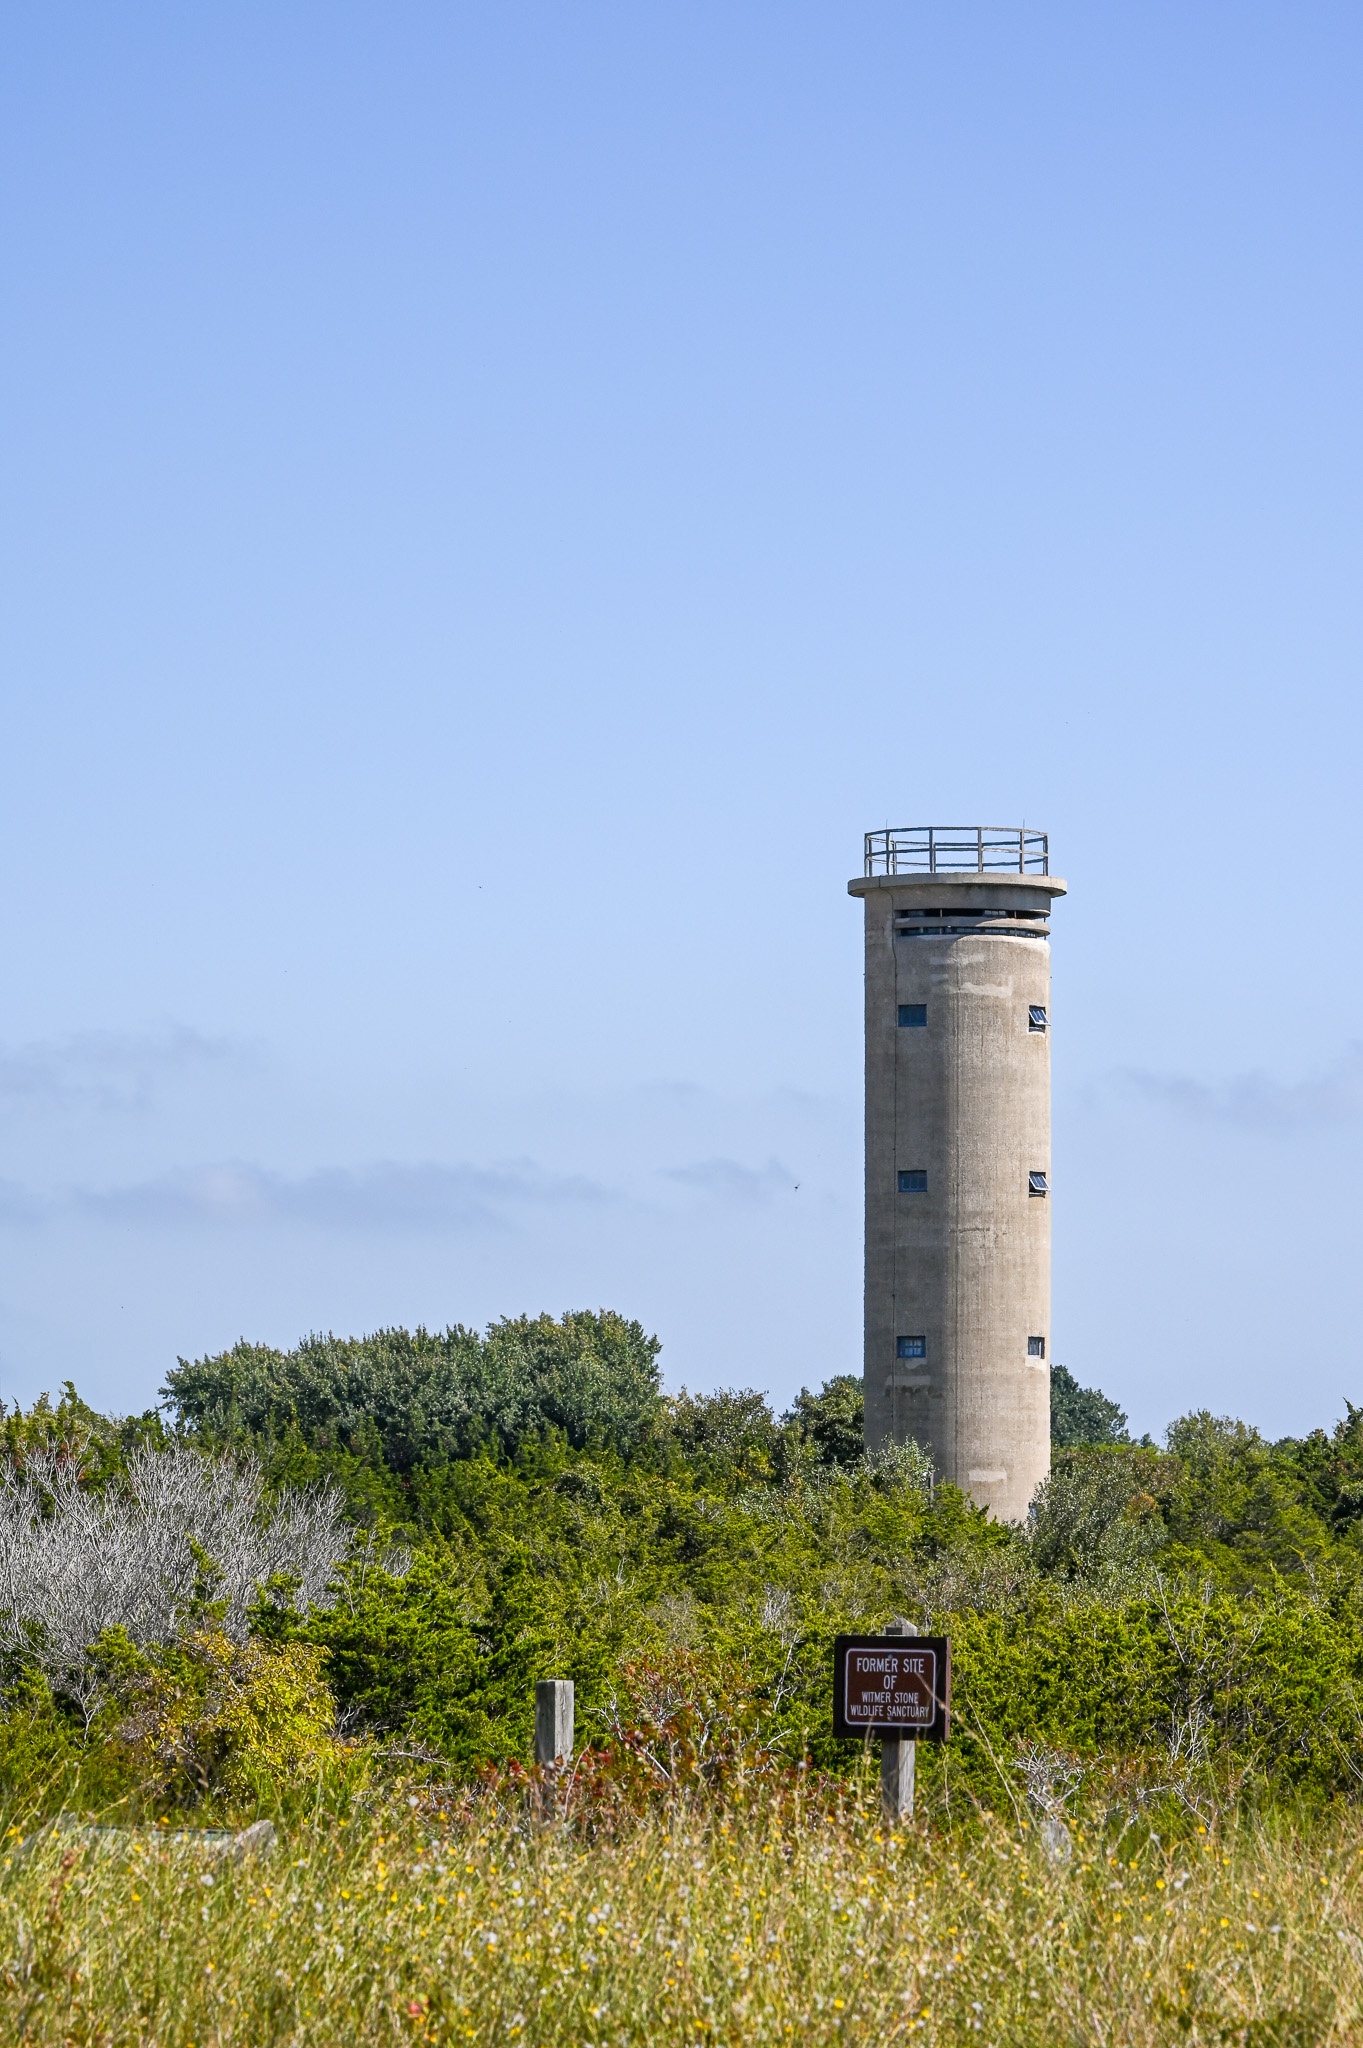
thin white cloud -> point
(385, 1196)
(1257, 1101)
(106, 1069)
(725, 1180)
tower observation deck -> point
(958, 1152)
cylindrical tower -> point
(958, 1153)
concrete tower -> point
(958, 1153)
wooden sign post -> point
(896, 1686)
(898, 1755)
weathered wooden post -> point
(898, 1754)
(553, 1739)
(553, 1722)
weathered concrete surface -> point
(259, 1839)
(967, 1099)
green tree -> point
(405, 1399)
(1240, 1502)
(1081, 1415)
(725, 1434)
(1095, 1520)
(833, 1421)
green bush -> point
(1195, 1611)
(409, 1400)
(210, 1719)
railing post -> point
(932, 851)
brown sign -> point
(892, 1685)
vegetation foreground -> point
(320, 1585)
(749, 1925)
(745, 1926)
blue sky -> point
(495, 502)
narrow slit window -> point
(913, 1180)
(1036, 1347)
(910, 1347)
(913, 1016)
(1037, 1184)
(1036, 1017)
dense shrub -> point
(1196, 1611)
(209, 1718)
(409, 1400)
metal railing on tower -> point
(957, 850)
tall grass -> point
(695, 1926)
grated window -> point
(1037, 1184)
(1036, 1017)
(913, 1180)
(912, 1016)
(910, 1347)
(1036, 1347)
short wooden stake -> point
(898, 1755)
(554, 1722)
(553, 1742)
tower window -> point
(910, 1347)
(913, 1181)
(1036, 1347)
(1037, 1184)
(1036, 1016)
(912, 1016)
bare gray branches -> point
(145, 1556)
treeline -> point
(394, 1418)
(528, 1502)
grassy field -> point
(773, 1924)
(1171, 1652)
